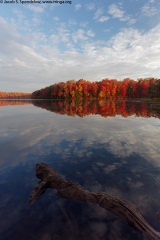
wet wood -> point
(70, 190)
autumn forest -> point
(14, 95)
(83, 89)
(106, 89)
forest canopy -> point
(105, 89)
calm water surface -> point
(109, 152)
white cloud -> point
(30, 62)
(152, 1)
(90, 6)
(90, 33)
(83, 24)
(79, 35)
(72, 22)
(98, 13)
(36, 21)
(78, 6)
(99, 17)
(103, 19)
(132, 20)
(117, 12)
(149, 10)
(62, 35)
(35, 9)
(56, 18)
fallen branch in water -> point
(70, 190)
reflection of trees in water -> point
(103, 108)
(14, 102)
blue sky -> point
(45, 43)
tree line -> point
(14, 95)
(105, 89)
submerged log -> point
(70, 190)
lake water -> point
(112, 147)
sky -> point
(47, 42)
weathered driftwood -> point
(67, 189)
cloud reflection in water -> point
(114, 154)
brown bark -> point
(70, 190)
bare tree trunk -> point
(70, 190)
